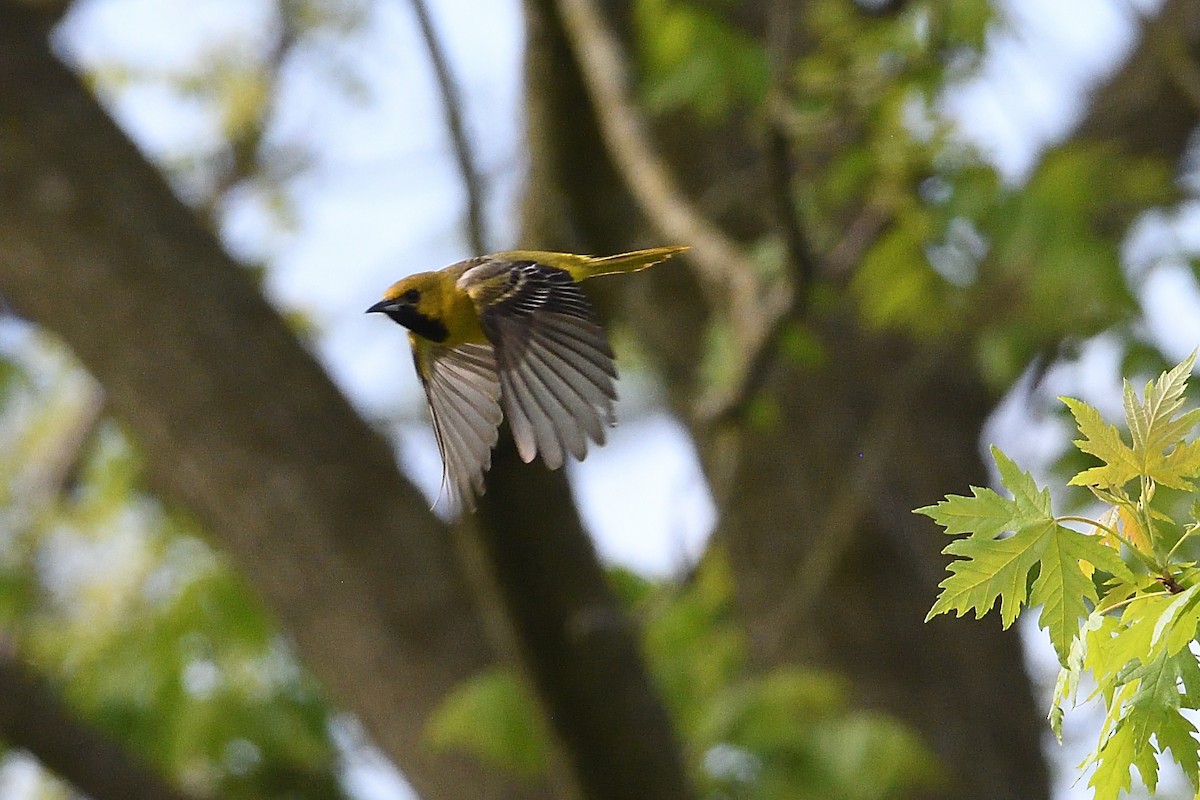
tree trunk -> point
(237, 422)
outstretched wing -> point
(553, 360)
(464, 400)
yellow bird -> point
(511, 330)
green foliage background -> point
(118, 600)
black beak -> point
(383, 307)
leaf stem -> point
(1128, 600)
(1149, 562)
(1186, 533)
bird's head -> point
(415, 303)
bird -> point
(511, 335)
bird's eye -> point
(411, 296)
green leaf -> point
(991, 569)
(1104, 441)
(1113, 762)
(1144, 721)
(1150, 422)
(1068, 677)
(1033, 505)
(1062, 586)
(1176, 626)
(1156, 428)
(492, 717)
(985, 514)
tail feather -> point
(626, 262)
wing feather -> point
(553, 359)
(524, 397)
(463, 391)
(555, 394)
(574, 388)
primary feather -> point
(511, 330)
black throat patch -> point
(418, 323)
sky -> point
(381, 199)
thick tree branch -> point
(236, 421)
(578, 646)
(34, 719)
(452, 106)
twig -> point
(1134, 599)
(727, 274)
(452, 109)
(857, 237)
(802, 263)
(780, 167)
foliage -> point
(117, 599)
(1127, 577)
(790, 733)
(494, 717)
(862, 117)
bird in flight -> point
(511, 335)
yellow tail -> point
(584, 267)
(624, 262)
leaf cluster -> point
(1119, 599)
(786, 734)
(118, 601)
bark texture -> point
(238, 423)
(815, 504)
(579, 648)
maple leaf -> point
(1156, 430)
(986, 514)
(1113, 762)
(1103, 441)
(991, 569)
(1138, 641)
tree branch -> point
(1142, 108)
(728, 275)
(452, 109)
(34, 719)
(236, 420)
(580, 649)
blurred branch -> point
(452, 106)
(578, 646)
(858, 236)
(729, 276)
(801, 262)
(722, 264)
(1182, 66)
(1142, 108)
(781, 169)
(33, 718)
(50, 472)
(246, 142)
